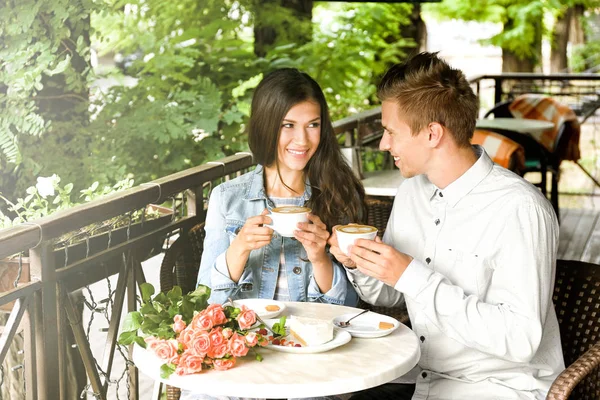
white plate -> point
(340, 338)
(367, 325)
(258, 306)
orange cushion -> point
(502, 150)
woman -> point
(299, 163)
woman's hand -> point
(254, 234)
(314, 238)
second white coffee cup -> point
(347, 235)
(286, 219)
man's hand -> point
(379, 260)
(337, 252)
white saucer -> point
(258, 306)
(367, 325)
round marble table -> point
(521, 125)
(357, 365)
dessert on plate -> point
(310, 331)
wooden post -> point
(42, 266)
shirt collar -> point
(458, 189)
(256, 189)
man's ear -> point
(436, 133)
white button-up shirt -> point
(479, 290)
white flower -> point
(45, 186)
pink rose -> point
(215, 311)
(151, 342)
(200, 343)
(202, 321)
(237, 345)
(218, 351)
(179, 323)
(186, 336)
(227, 332)
(224, 364)
(167, 350)
(189, 364)
(247, 318)
(251, 339)
(216, 336)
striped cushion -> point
(502, 150)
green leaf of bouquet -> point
(175, 294)
(161, 299)
(147, 291)
(148, 309)
(166, 370)
(173, 310)
(186, 309)
(232, 312)
(200, 297)
(132, 321)
(126, 338)
(140, 341)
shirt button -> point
(428, 260)
(441, 194)
(422, 339)
(424, 374)
(297, 270)
(437, 221)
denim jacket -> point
(231, 203)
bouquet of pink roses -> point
(188, 334)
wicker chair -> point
(577, 303)
(180, 267)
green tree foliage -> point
(185, 99)
(350, 50)
(43, 74)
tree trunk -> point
(416, 30)
(512, 62)
(560, 41)
(273, 27)
(576, 33)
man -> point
(470, 246)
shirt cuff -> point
(414, 279)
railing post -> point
(46, 333)
(497, 90)
(134, 383)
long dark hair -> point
(337, 195)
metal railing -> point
(47, 310)
(581, 92)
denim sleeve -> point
(341, 291)
(213, 266)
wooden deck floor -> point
(579, 235)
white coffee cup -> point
(347, 235)
(286, 219)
